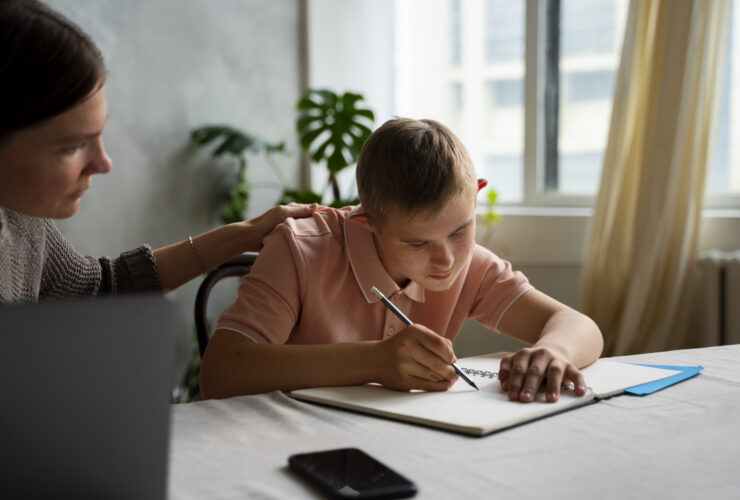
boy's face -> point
(430, 250)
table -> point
(682, 442)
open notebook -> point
(463, 409)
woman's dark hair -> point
(47, 64)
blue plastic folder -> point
(651, 387)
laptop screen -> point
(85, 389)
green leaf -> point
(305, 121)
(319, 153)
(307, 196)
(306, 103)
(336, 161)
(310, 136)
(492, 196)
(491, 217)
(329, 98)
(347, 125)
(204, 135)
(235, 206)
(366, 113)
(233, 141)
(344, 203)
(234, 144)
(278, 147)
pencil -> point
(390, 305)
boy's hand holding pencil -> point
(416, 358)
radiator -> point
(717, 301)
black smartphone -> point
(351, 473)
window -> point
(482, 68)
(448, 65)
(590, 41)
(489, 46)
(723, 182)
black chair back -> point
(238, 266)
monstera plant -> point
(332, 128)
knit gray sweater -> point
(37, 263)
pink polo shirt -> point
(311, 285)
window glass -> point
(508, 173)
(504, 30)
(591, 33)
(462, 63)
(724, 171)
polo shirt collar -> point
(367, 266)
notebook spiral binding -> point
(479, 373)
(494, 375)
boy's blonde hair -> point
(412, 165)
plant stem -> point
(334, 186)
(242, 169)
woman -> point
(51, 121)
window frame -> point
(540, 136)
(541, 155)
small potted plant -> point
(237, 144)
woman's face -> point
(45, 170)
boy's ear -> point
(364, 221)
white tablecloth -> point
(682, 442)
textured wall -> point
(174, 65)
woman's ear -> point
(364, 221)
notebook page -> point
(464, 409)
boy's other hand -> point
(521, 374)
(416, 358)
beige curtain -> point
(643, 236)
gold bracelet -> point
(196, 257)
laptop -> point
(85, 389)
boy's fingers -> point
(439, 346)
(426, 385)
(519, 366)
(503, 372)
(540, 365)
(415, 359)
(575, 376)
(430, 367)
(555, 373)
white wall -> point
(175, 65)
(350, 46)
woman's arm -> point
(179, 263)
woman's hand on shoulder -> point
(261, 226)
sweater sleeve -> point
(67, 273)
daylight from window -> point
(463, 63)
(724, 174)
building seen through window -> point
(463, 63)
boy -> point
(306, 317)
